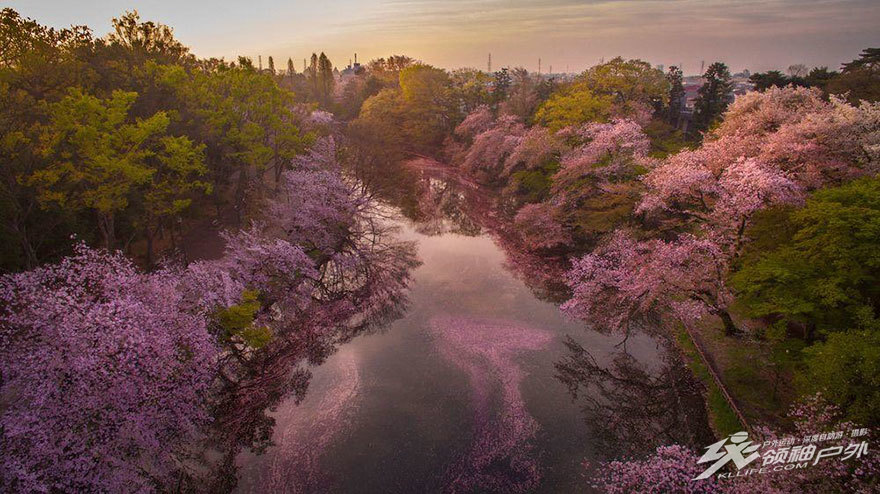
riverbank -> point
(747, 382)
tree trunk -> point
(30, 253)
(730, 328)
(240, 192)
(148, 232)
(107, 229)
(809, 331)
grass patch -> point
(758, 374)
(722, 418)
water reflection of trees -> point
(442, 209)
(437, 200)
(359, 289)
(633, 409)
(461, 202)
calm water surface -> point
(471, 391)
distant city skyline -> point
(754, 35)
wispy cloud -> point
(661, 30)
(758, 34)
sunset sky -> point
(758, 35)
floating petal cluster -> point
(500, 458)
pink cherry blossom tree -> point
(625, 279)
(812, 141)
(105, 372)
(670, 469)
(599, 171)
(721, 206)
(325, 269)
(771, 148)
(609, 150)
(114, 380)
(537, 147)
(486, 156)
(538, 228)
(478, 121)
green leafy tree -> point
(251, 128)
(388, 69)
(714, 96)
(179, 166)
(817, 267)
(574, 105)
(676, 95)
(37, 65)
(421, 111)
(869, 59)
(146, 39)
(325, 80)
(312, 75)
(819, 77)
(766, 80)
(522, 97)
(471, 88)
(846, 370)
(428, 100)
(501, 82)
(628, 82)
(97, 156)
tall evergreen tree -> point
(868, 59)
(290, 69)
(860, 79)
(714, 96)
(313, 75)
(676, 95)
(766, 80)
(271, 65)
(325, 79)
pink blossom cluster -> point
(538, 228)
(795, 130)
(722, 201)
(604, 153)
(111, 377)
(625, 278)
(478, 121)
(606, 146)
(320, 118)
(486, 156)
(771, 149)
(670, 469)
(104, 375)
(496, 148)
(535, 148)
